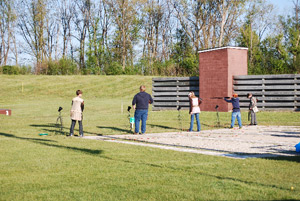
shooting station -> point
(6, 112)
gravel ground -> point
(248, 142)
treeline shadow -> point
(53, 143)
(116, 129)
(54, 128)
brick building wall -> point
(216, 70)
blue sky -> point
(282, 6)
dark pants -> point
(253, 118)
(73, 125)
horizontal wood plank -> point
(156, 94)
(168, 108)
(174, 84)
(167, 79)
(282, 76)
(276, 87)
(175, 88)
(171, 98)
(271, 104)
(171, 103)
(267, 82)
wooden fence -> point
(169, 93)
(274, 92)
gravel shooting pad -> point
(248, 142)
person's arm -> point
(82, 106)
(151, 99)
(191, 106)
(199, 101)
(228, 101)
(134, 102)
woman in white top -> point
(194, 111)
(76, 113)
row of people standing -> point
(141, 103)
(236, 113)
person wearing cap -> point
(140, 103)
(194, 111)
(76, 113)
(252, 108)
(236, 113)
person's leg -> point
(144, 119)
(252, 117)
(198, 122)
(192, 122)
(137, 119)
(233, 116)
(80, 128)
(239, 118)
(255, 121)
(72, 127)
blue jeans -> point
(235, 115)
(138, 116)
(192, 122)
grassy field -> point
(56, 167)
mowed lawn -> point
(56, 167)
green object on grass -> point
(131, 120)
(41, 134)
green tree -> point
(185, 56)
(291, 31)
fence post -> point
(177, 96)
(295, 93)
(263, 93)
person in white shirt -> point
(194, 110)
(76, 113)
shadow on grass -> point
(286, 158)
(50, 144)
(164, 127)
(24, 138)
(52, 128)
(115, 129)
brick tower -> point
(216, 70)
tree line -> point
(147, 37)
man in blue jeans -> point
(140, 103)
(236, 113)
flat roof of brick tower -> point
(220, 48)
